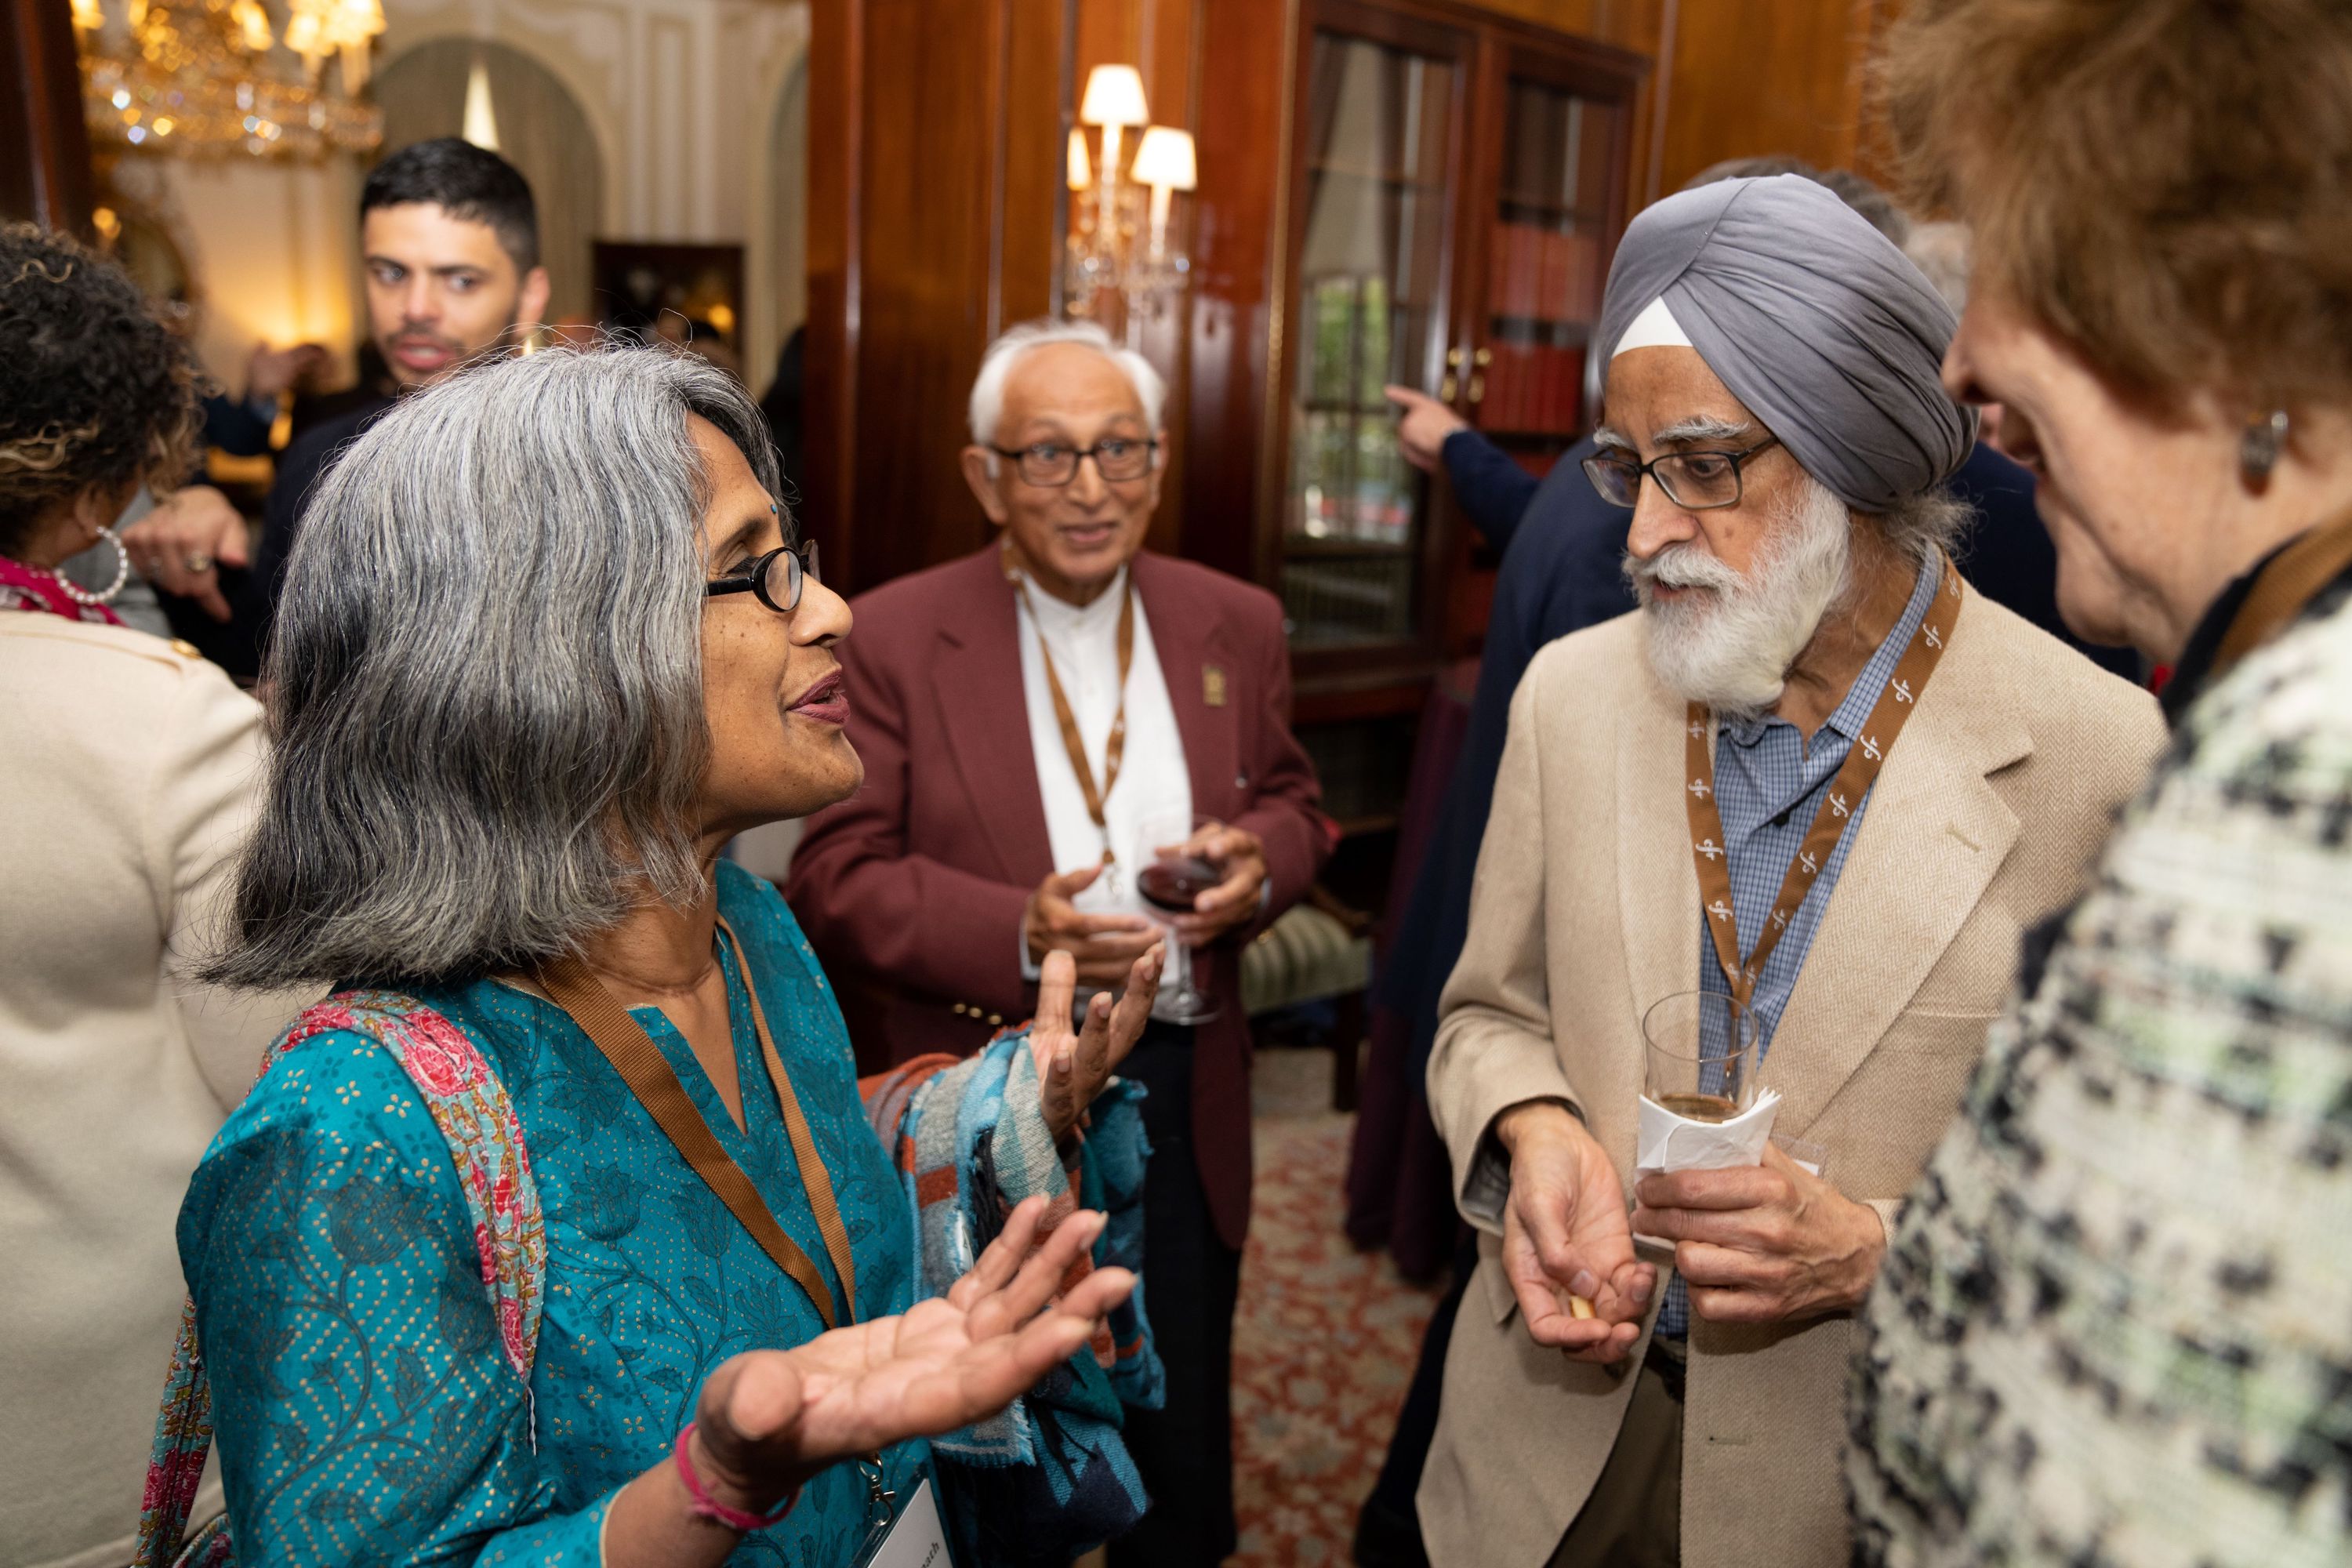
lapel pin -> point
(1213, 685)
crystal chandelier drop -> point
(1118, 260)
(210, 76)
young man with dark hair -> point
(450, 240)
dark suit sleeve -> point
(257, 605)
(906, 918)
(236, 429)
(1286, 808)
(1492, 490)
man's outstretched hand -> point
(1566, 1236)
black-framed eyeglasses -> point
(1696, 481)
(777, 577)
(1049, 464)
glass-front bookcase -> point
(1456, 185)
(1551, 223)
(1457, 189)
(1381, 120)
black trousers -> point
(1192, 1279)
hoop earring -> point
(2259, 446)
(82, 595)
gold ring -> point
(197, 563)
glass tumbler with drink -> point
(1175, 873)
(1702, 1050)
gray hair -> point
(1941, 251)
(487, 676)
(1931, 520)
(996, 367)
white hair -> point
(1729, 646)
(996, 368)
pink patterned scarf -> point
(24, 587)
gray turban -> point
(1814, 320)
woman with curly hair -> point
(2115, 1324)
(129, 770)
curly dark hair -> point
(96, 392)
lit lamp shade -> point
(1165, 158)
(1113, 97)
(1081, 171)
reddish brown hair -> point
(2166, 184)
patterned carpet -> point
(1326, 1336)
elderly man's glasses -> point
(1696, 481)
(777, 577)
(1049, 464)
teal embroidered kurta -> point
(364, 1409)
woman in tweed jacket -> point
(2115, 1323)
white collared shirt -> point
(1152, 780)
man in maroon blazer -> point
(1031, 718)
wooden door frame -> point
(1412, 660)
(44, 173)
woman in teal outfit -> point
(521, 700)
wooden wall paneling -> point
(931, 199)
(1630, 24)
(1750, 80)
(835, 302)
(935, 181)
(1039, 70)
(1247, 59)
(44, 173)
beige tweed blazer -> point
(1586, 911)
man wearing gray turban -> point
(1815, 780)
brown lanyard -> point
(1072, 742)
(634, 1055)
(1862, 763)
(2293, 578)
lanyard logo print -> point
(1864, 762)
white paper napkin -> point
(1672, 1142)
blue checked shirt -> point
(1767, 786)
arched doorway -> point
(541, 131)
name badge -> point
(918, 1538)
(1213, 685)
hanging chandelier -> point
(212, 75)
(1117, 259)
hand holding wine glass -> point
(1201, 878)
(1223, 877)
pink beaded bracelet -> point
(704, 1506)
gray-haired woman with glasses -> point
(562, 1232)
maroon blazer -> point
(918, 880)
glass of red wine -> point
(1174, 874)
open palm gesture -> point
(1073, 1065)
(767, 1420)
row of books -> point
(1534, 388)
(1551, 277)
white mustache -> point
(1683, 566)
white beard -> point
(1728, 645)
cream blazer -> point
(1586, 911)
(129, 773)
